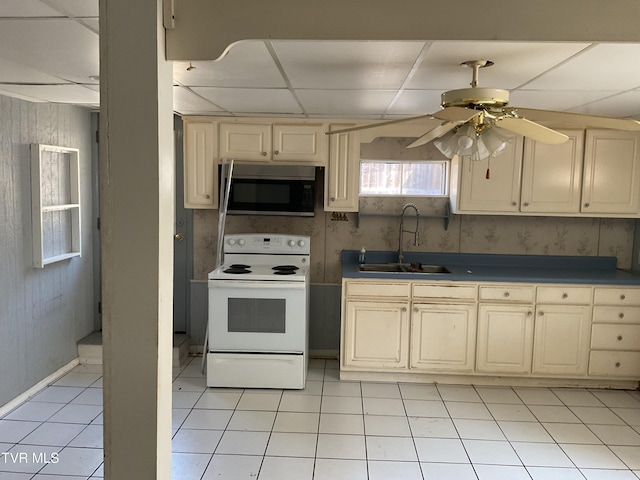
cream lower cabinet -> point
(376, 335)
(505, 338)
(561, 339)
(615, 333)
(443, 337)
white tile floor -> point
(336, 430)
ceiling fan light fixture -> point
(465, 142)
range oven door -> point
(253, 316)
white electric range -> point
(259, 312)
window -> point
(419, 178)
(55, 203)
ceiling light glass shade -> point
(465, 142)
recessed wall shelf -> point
(55, 203)
(446, 216)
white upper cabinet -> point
(200, 165)
(342, 176)
(611, 172)
(552, 175)
(473, 192)
(277, 143)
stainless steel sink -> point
(403, 268)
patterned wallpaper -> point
(377, 228)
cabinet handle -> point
(621, 315)
(276, 152)
(415, 309)
(514, 203)
(540, 313)
(586, 205)
(264, 154)
(565, 295)
(619, 337)
(404, 309)
(506, 294)
(618, 364)
(333, 199)
(529, 313)
(207, 196)
(622, 297)
(525, 204)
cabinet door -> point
(245, 141)
(200, 169)
(552, 174)
(611, 172)
(299, 144)
(376, 335)
(443, 337)
(342, 176)
(561, 339)
(499, 193)
(505, 338)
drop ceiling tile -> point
(16, 72)
(246, 64)
(554, 100)
(416, 102)
(25, 8)
(76, 8)
(345, 102)
(514, 63)
(622, 105)
(603, 67)
(251, 100)
(59, 47)
(188, 103)
(76, 94)
(347, 65)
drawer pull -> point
(529, 314)
(415, 309)
(622, 297)
(621, 315)
(565, 295)
(619, 337)
(404, 309)
(618, 364)
(506, 294)
(541, 313)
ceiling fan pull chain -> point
(488, 174)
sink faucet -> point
(416, 236)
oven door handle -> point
(266, 285)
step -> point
(90, 349)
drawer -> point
(372, 289)
(615, 364)
(616, 296)
(444, 291)
(564, 295)
(507, 293)
(616, 314)
(615, 337)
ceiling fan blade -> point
(434, 133)
(376, 125)
(593, 121)
(456, 114)
(530, 129)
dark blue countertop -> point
(496, 268)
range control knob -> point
(231, 241)
(301, 243)
(291, 243)
(241, 242)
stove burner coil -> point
(285, 268)
(238, 269)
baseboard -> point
(7, 407)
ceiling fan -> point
(477, 122)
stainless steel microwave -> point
(271, 190)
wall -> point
(465, 234)
(43, 312)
